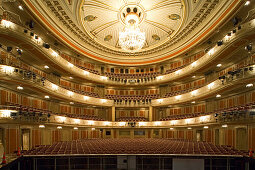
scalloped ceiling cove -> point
(160, 20)
(92, 27)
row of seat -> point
(183, 116)
(132, 97)
(134, 146)
(131, 119)
(86, 93)
(81, 116)
(175, 93)
(132, 76)
(235, 112)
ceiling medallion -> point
(107, 38)
(90, 18)
(155, 37)
(174, 16)
(132, 39)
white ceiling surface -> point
(155, 22)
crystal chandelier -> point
(132, 39)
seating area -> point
(136, 78)
(28, 113)
(134, 146)
(81, 116)
(225, 114)
(131, 119)
(125, 99)
(183, 116)
(175, 93)
(86, 93)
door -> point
(25, 136)
(241, 139)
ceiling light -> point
(218, 65)
(211, 51)
(93, 128)
(20, 7)
(218, 95)
(59, 127)
(70, 77)
(70, 65)
(46, 67)
(41, 126)
(224, 126)
(75, 128)
(189, 128)
(54, 53)
(46, 97)
(247, 3)
(193, 102)
(210, 85)
(132, 39)
(86, 72)
(6, 23)
(77, 121)
(194, 64)
(86, 97)
(103, 77)
(54, 86)
(71, 102)
(159, 77)
(193, 76)
(178, 97)
(70, 93)
(206, 127)
(171, 128)
(160, 100)
(103, 100)
(20, 88)
(194, 92)
(249, 85)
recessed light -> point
(20, 7)
(41, 126)
(218, 95)
(70, 77)
(189, 128)
(193, 102)
(219, 65)
(224, 126)
(206, 127)
(59, 127)
(20, 88)
(171, 128)
(249, 85)
(46, 67)
(46, 97)
(71, 102)
(75, 128)
(247, 3)
(193, 76)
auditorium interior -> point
(127, 84)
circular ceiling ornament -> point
(105, 20)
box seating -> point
(134, 146)
(131, 119)
(235, 112)
(86, 93)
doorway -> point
(25, 139)
(241, 139)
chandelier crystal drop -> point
(132, 39)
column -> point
(113, 113)
(150, 113)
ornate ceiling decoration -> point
(92, 27)
(159, 19)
